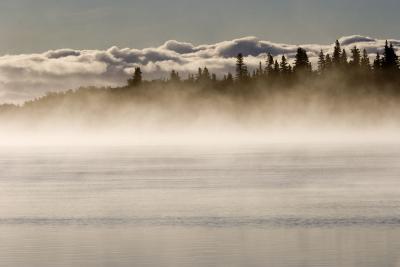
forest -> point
(356, 70)
(344, 86)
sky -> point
(32, 26)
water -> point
(274, 205)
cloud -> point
(355, 39)
(62, 53)
(179, 47)
(27, 76)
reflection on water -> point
(277, 205)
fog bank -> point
(191, 117)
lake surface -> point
(272, 205)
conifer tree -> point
(174, 76)
(390, 61)
(206, 74)
(241, 68)
(396, 60)
(343, 59)
(302, 62)
(284, 66)
(365, 62)
(276, 70)
(377, 62)
(269, 64)
(328, 62)
(321, 62)
(337, 54)
(136, 80)
(203, 75)
(355, 61)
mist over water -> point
(181, 177)
(186, 115)
(239, 205)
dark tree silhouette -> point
(355, 61)
(276, 70)
(269, 69)
(365, 62)
(337, 54)
(199, 74)
(214, 77)
(343, 59)
(136, 79)
(284, 66)
(390, 61)
(206, 74)
(241, 68)
(328, 62)
(302, 62)
(174, 76)
(203, 75)
(321, 62)
(377, 63)
(355, 72)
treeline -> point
(343, 78)
(345, 88)
(353, 67)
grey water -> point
(272, 205)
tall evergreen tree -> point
(269, 68)
(377, 63)
(241, 68)
(365, 62)
(396, 59)
(321, 62)
(302, 62)
(355, 61)
(343, 59)
(276, 70)
(328, 62)
(390, 61)
(284, 66)
(337, 54)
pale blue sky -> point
(38, 25)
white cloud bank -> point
(24, 77)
